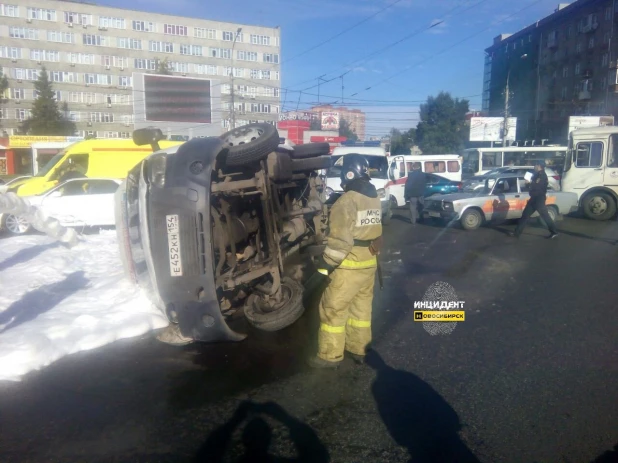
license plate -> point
(173, 244)
(434, 214)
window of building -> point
(63, 77)
(173, 29)
(128, 43)
(75, 116)
(77, 18)
(453, 166)
(608, 13)
(149, 64)
(125, 81)
(111, 23)
(98, 79)
(579, 47)
(260, 39)
(565, 72)
(22, 114)
(229, 36)
(225, 88)
(61, 37)
(161, 47)
(45, 55)
(17, 94)
(589, 154)
(10, 52)
(591, 42)
(577, 68)
(144, 26)
(225, 53)
(564, 93)
(435, 166)
(265, 75)
(96, 40)
(102, 117)
(179, 67)
(23, 33)
(194, 50)
(276, 75)
(605, 60)
(9, 10)
(247, 55)
(42, 14)
(25, 74)
(115, 61)
(81, 58)
(603, 83)
(271, 58)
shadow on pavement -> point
(257, 436)
(416, 416)
(24, 255)
(581, 235)
(41, 300)
(611, 456)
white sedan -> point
(82, 202)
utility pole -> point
(233, 109)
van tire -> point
(266, 318)
(250, 143)
(317, 163)
(310, 150)
(599, 206)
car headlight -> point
(381, 193)
(328, 193)
(155, 168)
(447, 206)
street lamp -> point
(505, 132)
(232, 77)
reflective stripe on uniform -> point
(332, 329)
(359, 323)
(337, 256)
(351, 264)
(323, 271)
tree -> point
(401, 143)
(346, 131)
(443, 127)
(163, 67)
(46, 118)
(4, 85)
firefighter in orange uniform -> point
(349, 262)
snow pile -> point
(56, 301)
(12, 204)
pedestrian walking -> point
(415, 192)
(349, 263)
(538, 195)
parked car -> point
(216, 230)
(436, 184)
(478, 182)
(503, 197)
(84, 202)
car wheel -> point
(303, 165)
(250, 143)
(15, 225)
(310, 150)
(268, 317)
(599, 206)
(471, 219)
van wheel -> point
(471, 219)
(250, 143)
(275, 317)
(599, 206)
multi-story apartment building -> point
(355, 117)
(563, 65)
(91, 53)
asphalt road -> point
(530, 376)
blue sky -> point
(427, 60)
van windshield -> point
(378, 166)
(50, 164)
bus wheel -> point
(599, 206)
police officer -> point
(349, 262)
(538, 195)
(415, 192)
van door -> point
(610, 176)
(588, 163)
(398, 181)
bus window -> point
(435, 166)
(471, 161)
(612, 160)
(589, 154)
(453, 166)
(492, 160)
(512, 159)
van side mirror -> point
(148, 136)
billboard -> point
(491, 128)
(582, 122)
(330, 120)
(297, 116)
(179, 106)
(170, 99)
